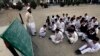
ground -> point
(44, 47)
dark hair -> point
(57, 29)
(82, 20)
(48, 20)
(63, 14)
(71, 28)
(96, 39)
(61, 19)
(44, 26)
(52, 16)
(29, 10)
(55, 20)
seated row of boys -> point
(83, 27)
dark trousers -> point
(12, 50)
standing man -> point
(30, 22)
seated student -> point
(48, 23)
(83, 29)
(84, 26)
(71, 34)
(91, 46)
(42, 31)
(53, 27)
(72, 21)
(90, 23)
(61, 26)
(58, 37)
(86, 17)
(63, 17)
(77, 23)
(53, 18)
(93, 22)
(66, 19)
(67, 23)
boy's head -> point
(57, 30)
(44, 26)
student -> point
(66, 19)
(77, 23)
(72, 21)
(67, 23)
(42, 31)
(93, 22)
(86, 17)
(53, 18)
(83, 29)
(63, 17)
(30, 23)
(71, 34)
(91, 33)
(58, 37)
(62, 25)
(48, 23)
(90, 47)
(84, 26)
(53, 27)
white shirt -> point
(73, 35)
(77, 24)
(96, 47)
(62, 25)
(87, 18)
(59, 35)
(29, 16)
(42, 30)
(54, 27)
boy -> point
(90, 47)
(42, 31)
(71, 34)
(58, 37)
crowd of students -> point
(72, 28)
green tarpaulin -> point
(18, 37)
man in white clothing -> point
(58, 37)
(30, 22)
(91, 46)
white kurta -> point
(62, 26)
(42, 32)
(57, 38)
(77, 25)
(73, 37)
(90, 47)
(31, 27)
(54, 27)
(87, 18)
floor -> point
(44, 47)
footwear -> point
(49, 38)
(78, 52)
(69, 42)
